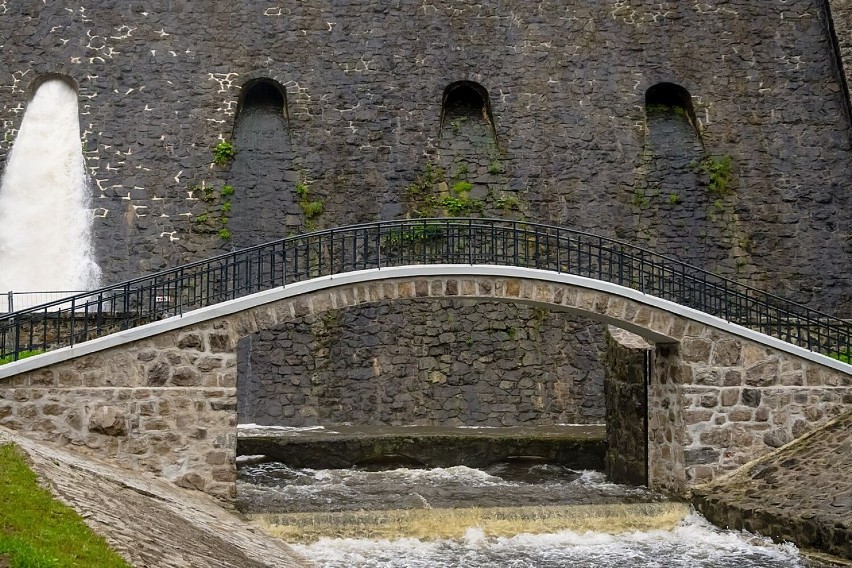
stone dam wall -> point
(345, 111)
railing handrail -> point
(548, 239)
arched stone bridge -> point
(162, 396)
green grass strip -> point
(21, 355)
(844, 357)
(37, 531)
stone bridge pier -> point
(163, 397)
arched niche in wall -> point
(670, 100)
(262, 206)
(681, 214)
(465, 107)
(468, 164)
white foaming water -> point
(45, 220)
(695, 543)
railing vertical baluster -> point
(16, 348)
(470, 241)
(515, 245)
(331, 253)
(73, 315)
(379, 245)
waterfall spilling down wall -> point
(45, 220)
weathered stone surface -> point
(416, 356)
(800, 493)
(151, 522)
(625, 361)
(108, 420)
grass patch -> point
(21, 355)
(844, 357)
(36, 531)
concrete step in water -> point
(577, 447)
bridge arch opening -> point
(508, 366)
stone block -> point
(108, 420)
(512, 288)
(751, 397)
(762, 374)
(695, 350)
(188, 341)
(186, 377)
(727, 352)
(740, 414)
(730, 397)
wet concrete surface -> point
(574, 446)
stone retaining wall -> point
(801, 493)
(413, 362)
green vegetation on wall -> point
(223, 153)
(435, 194)
(719, 173)
(214, 219)
(311, 209)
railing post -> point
(11, 301)
(73, 315)
(470, 240)
(126, 307)
(17, 347)
(379, 245)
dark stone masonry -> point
(562, 135)
(717, 132)
(627, 362)
(414, 362)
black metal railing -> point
(16, 301)
(409, 242)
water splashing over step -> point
(45, 220)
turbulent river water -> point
(320, 512)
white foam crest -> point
(458, 474)
(259, 428)
(45, 220)
(332, 479)
(694, 543)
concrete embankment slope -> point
(150, 522)
(801, 493)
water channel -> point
(521, 513)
